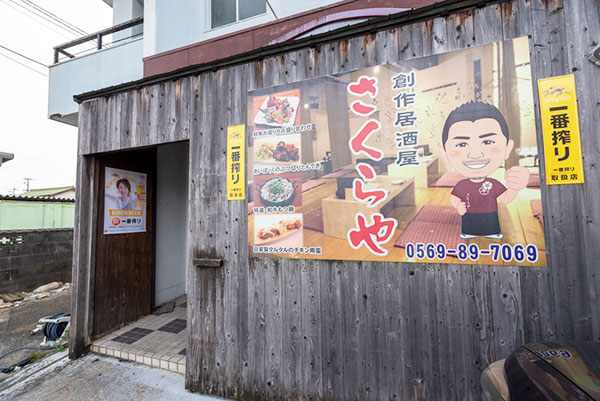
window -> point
(223, 12)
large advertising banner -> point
(124, 201)
(429, 160)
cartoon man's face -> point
(477, 148)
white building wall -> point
(171, 24)
(112, 66)
(168, 24)
(126, 10)
(171, 221)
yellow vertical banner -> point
(560, 126)
(236, 162)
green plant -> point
(59, 347)
(37, 355)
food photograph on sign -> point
(278, 190)
(429, 160)
(124, 201)
(281, 230)
(279, 150)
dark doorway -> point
(124, 263)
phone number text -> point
(504, 252)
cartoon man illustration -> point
(475, 142)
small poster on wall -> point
(124, 201)
(236, 164)
(560, 125)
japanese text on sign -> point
(124, 201)
(405, 103)
(380, 232)
(236, 165)
(560, 123)
(402, 162)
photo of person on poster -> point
(125, 200)
(475, 143)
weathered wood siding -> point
(148, 116)
(284, 329)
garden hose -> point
(53, 331)
(24, 362)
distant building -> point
(36, 212)
(55, 193)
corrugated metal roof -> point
(34, 198)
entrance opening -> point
(171, 221)
(150, 329)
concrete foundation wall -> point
(31, 258)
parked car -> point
(551, 371)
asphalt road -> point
(16, 322)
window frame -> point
(237, 15)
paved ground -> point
(16, 322)
(95, 377)
(92, 377)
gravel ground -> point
(16, 321)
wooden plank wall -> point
(269, 329)
(148, 116)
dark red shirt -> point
(480, 197)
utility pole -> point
(27, 181)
